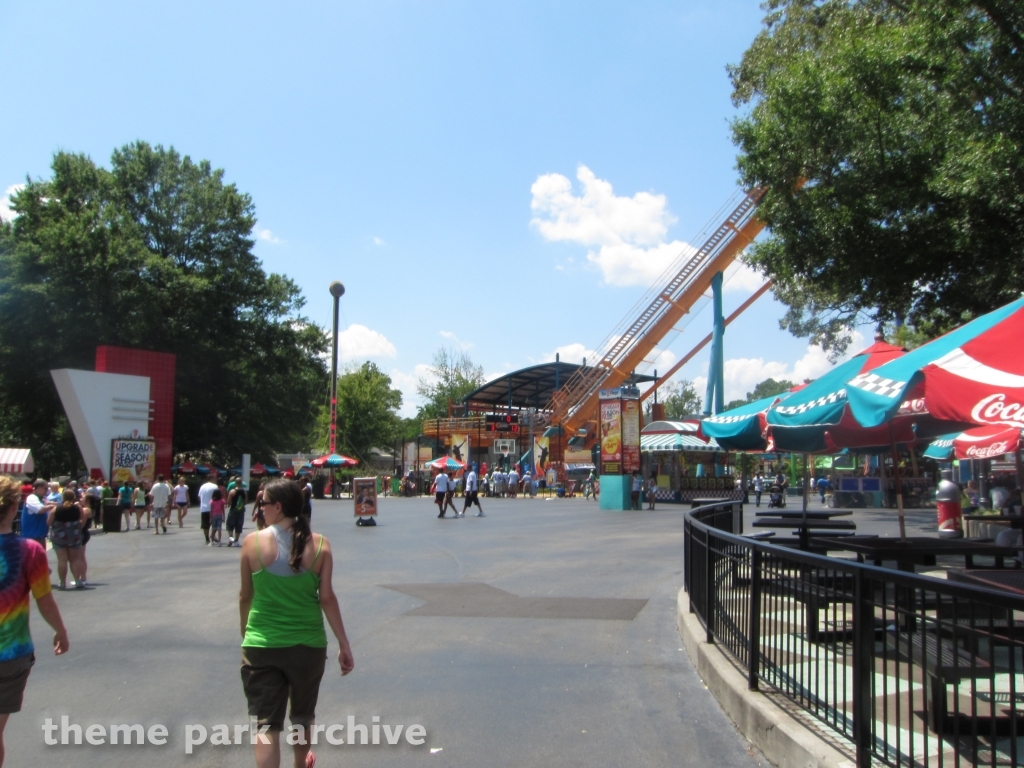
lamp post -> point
(337, 291)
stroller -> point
(776, 496)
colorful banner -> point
(541, 452)
(630, 436)
(578, 456)
(611, 437)
(364, 492)
(132, 459)
(459, 449)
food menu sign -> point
(611, 432)
(132, 460)
(630, 435)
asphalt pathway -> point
(541, 635)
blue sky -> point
(503, 178)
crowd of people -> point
(286, 590)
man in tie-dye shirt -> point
(23, 570)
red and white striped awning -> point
(16, 461)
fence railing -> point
(913, 670)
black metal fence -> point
(913, 670)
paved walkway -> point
(541, 635)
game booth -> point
(687, 467)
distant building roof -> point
(530, 387)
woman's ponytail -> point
(300, 537)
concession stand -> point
(687, 467)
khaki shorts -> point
(13, 677)
(271, 677)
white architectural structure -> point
(102, 407)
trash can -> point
(111, 516)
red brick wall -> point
(160, 368)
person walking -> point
(513, 483)
(635, 488)
(25, 572)
(236, 514)
(124, 503)
(34, 514)
(758, 488)
(161, 493)
(472, 493)
(65, 523)
(217, 505)
(440, 492)
(286, 593)
(257, 511)
(652, 489)
(181, 500)
(206, 491)
(307, 499)
(139, 505)
(450, 494)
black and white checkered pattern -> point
(872, 382)
(729, 419)
(828, 399)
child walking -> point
(216, 517)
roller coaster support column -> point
(714, 396)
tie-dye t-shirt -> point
(23, 569)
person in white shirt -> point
(513, 483)
(161, 493)
(440, 491)
(472, 493)
(527, 481)
(205, 498)
(758, 488)
(181, 500)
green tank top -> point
(285, 609)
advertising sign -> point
(541, 452)
(460, 448)
(132, 459)
(630, 436)
(364, 492)
(611, 437)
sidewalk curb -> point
(782, 739)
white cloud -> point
(379, 241)
(463, 345)
(406, 383)
(6, 214)
(571, 353)
(357, 342)
(739, 278)
(742, 374)
(626, 235)
(267, 236)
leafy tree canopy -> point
(453, 375)
(890, 137)
(154, 253)
(680, 399)
(763, 389)
(367, 410)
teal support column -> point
(714, 395)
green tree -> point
(680, 399)
(155, 253)
(889, 137)
(762, 389)
(367, 410)
(453, 375)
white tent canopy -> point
(16, 461)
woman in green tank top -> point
(286, 593)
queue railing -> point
(912, 670)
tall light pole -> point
(337, 291)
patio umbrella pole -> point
(897, 483)
(805, 486)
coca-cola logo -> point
(995, 410)
(987, 452)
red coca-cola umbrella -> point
(986, 442)
(973, 375)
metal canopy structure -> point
(531, 387)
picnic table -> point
(806, 524)
(916, 550)
(1011, 580)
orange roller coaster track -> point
(574, 405)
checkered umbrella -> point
(446, 463)
(743, 428)
(979, 443)
(973, 375)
